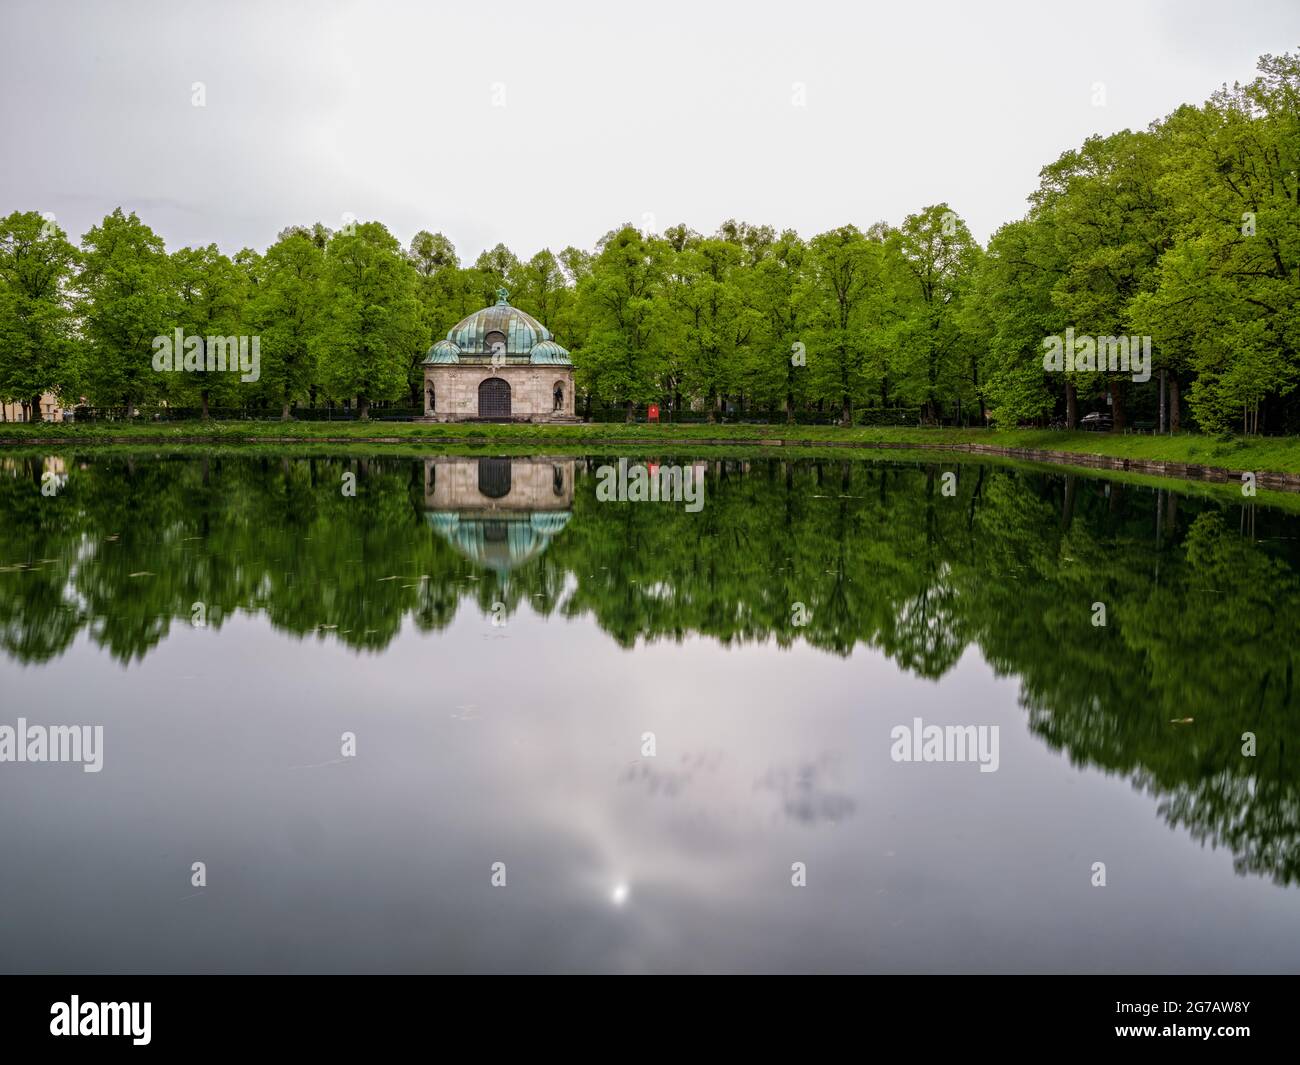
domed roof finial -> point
(502, 296)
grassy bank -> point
(1275, 454)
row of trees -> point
(1187, 232)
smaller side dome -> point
(443, 352)
(549, 353)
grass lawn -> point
(1260, 454)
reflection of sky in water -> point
(523, 745)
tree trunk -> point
(1071, 406)
(1175, 409)
(363, 408)
(846, 411)
(203, 394)
(789, 408)
(36, 408)
(630, 412)
(1067, 505)
(1164, 395)
(284, 411)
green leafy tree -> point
(622, 298)
(497, 267)
(127, 299)
(371, 325)
(936, 354)
(716, 318)
(36, 315)
(288, 308)
(1011, 301)
(211, 293)
(542, 288)
(1111, 223)
(840, 301)
(778, 367)
(1227, 294)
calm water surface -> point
(499, 641)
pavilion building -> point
(498, 365)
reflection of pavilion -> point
(498, 513)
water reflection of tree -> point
(1200, 619)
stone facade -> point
(455, 391)
(475, 485)
(499, 513)
(510, 351)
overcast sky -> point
(549, 123)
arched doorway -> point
(494, 398)
(557, 394)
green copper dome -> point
(500, 542)
(443, 352)
(549, 353)
(517, 331)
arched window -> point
(494, 398)
(557, 480)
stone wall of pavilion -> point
(452, 484)
(532, 391)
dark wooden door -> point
(494, 398)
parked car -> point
(1097, 420)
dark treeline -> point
(1187, 232)
(1201, 619)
